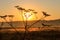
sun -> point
(27, 15)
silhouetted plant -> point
(26, 10)
(30, 10)
(22, 9)
(33, 11)
(44, 25)
(45, 14)
(1, 24)
(10, 17)
(3, 17)
(19, 8)
(35, 15)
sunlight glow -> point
(30, 16)
(27, 15)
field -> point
(42, 34)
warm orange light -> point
(27, 15)
(30, 16)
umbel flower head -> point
(19, 8)
(45, 14)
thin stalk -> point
(11, 25)
(22, 17)
(26, 30)
(36, 22)
(1, 24)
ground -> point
(33, 35)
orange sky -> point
(50, 6)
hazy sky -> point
(52, 7)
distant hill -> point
(54, 23)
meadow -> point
(35, 32)
(42, 34)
